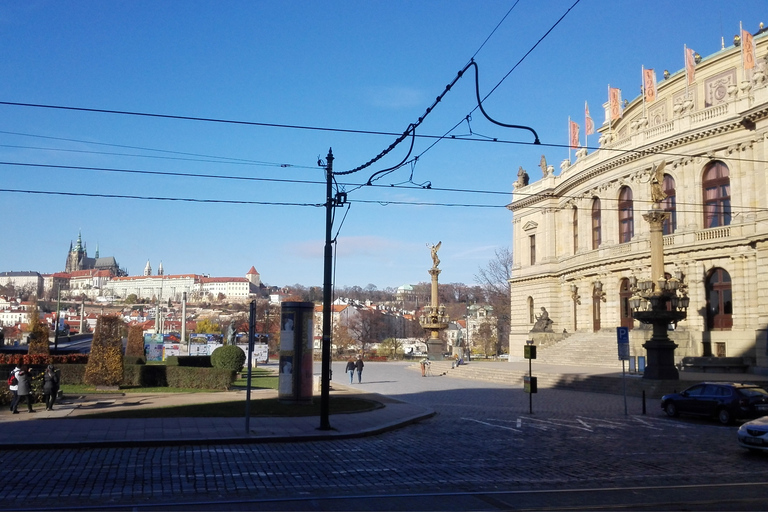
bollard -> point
(643, 402)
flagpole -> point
(685, 61)
(642, 87)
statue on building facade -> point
(543, 323)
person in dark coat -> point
(50, 387)
(359, 367)
(25, 389)
(350, 369)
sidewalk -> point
(61, 427)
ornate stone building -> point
(580, 239)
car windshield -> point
(753, 392)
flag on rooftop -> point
(614, 100)
(690, 65)
(589, 124)
(747, 49)
(649, 85)
(573, 134)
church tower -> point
(76, 256)
(147, 269)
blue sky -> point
(352, 65)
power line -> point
(224, 159)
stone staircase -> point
(609, 383)
(586, 349)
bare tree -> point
(494, 280)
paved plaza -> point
(480, 439)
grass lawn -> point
(235, 409)
(260, 379)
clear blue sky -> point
(354, 65)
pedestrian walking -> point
(423, 364)
(25, 389)
(50, 387)
(359, 367)
(351, 369)
(13, 386)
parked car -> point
(726, 401)
(753, 435)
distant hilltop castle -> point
(77, 259)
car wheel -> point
(671, 409)
(725, 416)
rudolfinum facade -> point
(580, 241)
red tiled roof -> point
(252, 271)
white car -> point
(753, 435)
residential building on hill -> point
(580, 240)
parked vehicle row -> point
(726, 401)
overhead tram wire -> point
(217, 159)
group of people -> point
(355, 365)
(20, 385)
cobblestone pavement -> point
(482, 439)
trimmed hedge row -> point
(139, 375)
(190, 361)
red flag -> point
(573, 132)
(748, 49)
(589, 124)
(649, 85)
(690, 65)
(614, 99)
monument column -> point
(434, 320)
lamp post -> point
(665, 300)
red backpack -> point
(12, 380)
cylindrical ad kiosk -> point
(295, 382)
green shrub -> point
(133, 360)
(199, 378)
(105, 365)
(135, 344)
(229, 357)
(194, 361)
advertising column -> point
(295, 381)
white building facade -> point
(579, 237)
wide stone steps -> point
(593, 383)
(583, 349)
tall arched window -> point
(531, 316)
(670, 205)
(596, 224)
(575, 230)
(626, 216)
(719, 300)
(717, 195)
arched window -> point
(717, 195)
(531, 316)
(719, 301)
(596, 227)
(626, 216)
(575, 230)
(670, 205)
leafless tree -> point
(494, 280)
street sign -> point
(622, 337)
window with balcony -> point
(626, 215)
(717, 195)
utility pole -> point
(325, 378)
(58, 322)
